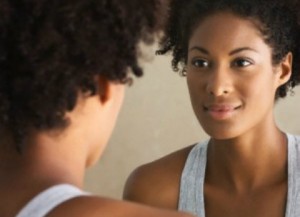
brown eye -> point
(200, 63)
(242, 63)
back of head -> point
(51, 50)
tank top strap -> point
(293, 194)
(191, 196)
(47, 200)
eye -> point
(200, 63)
(242, 62)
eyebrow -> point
(201, 49)
(204, 51)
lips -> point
(221, 111)
(220, 108)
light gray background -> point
(157, 119)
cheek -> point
(197, 95)
(196, 82)
(258, 92)
(195, 88)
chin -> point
(222, 134)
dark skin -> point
(164, 189)
(232, 84)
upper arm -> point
(157, 183)
(140, 185)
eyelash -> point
(195, 61)
(235, 63)
(239, 60)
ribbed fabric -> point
(191, 197)
(47, 200)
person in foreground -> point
(63, 68)
(239, 57)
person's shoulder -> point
(160, 177)
(91, 206)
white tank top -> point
(47, 200)
(191, 196)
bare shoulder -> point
(92, 206)
(157, 183)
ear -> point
(284, 69)
(108, 91)
(104, 89)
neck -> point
(247, 162)
(44, 162)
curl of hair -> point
(278, 22)
(51, 50)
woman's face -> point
(231, 79)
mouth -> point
(221, 111)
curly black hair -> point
(51, 50)
(278, 21)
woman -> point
(64, 65)
(239, 57)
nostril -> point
(215, 93)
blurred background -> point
(157, 119)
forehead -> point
(226, 30)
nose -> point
(219, 82)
